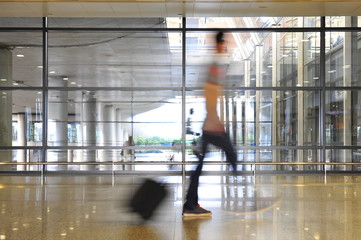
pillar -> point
(22, 141)
(118, 127)
(58, 126)
(348, 44)
(245, 109)
(275, 98)
(300, 97)
(259, 70)
(5, 107)
(89, 115)
(108, 123)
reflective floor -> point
(247, 207)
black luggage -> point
(147, 198)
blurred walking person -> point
(213, 129)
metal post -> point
(45, 97)
(322, 120)
(183, 104)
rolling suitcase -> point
(147, 198)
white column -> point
(22, 125)
(89, 115)
(300, 96)
(5, 107)
(108, 122)
(247, 82)
(58, 126)
(119, 129)
(347, 108)
(275, 98)
(119, 138)
(259, 70)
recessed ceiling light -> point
(20, 55)
(3, 79)
(52, 72)
(65, 78)
(15, 83)
(40, 66)
(73, 83)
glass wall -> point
(126, 95)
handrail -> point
(176, 163)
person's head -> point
(220, 42)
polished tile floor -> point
(247, 207)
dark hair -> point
(219, 37)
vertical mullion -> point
(45, 94)
(183, 104)
(322, 121)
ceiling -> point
(172, 8)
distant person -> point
(213, 129)
(194, 134)
(189, 122)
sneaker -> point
(197, 211)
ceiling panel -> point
(99, 9)
(161, 8)
(126, 9)
(59, 9)
(153, 9)
(209, 9)
(343, 9)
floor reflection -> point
(192, 226)
(246, 207)
(137, 232)
(240, 195)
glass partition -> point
(109, 118)
(342, 118)
(21, 118)
(21, 22)
(115, 22)
(21, 59)
(269, 60)
(342, 21)
(253, 22)
(21, 160)
(342, 59)
(114, 59)
(127, 94)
